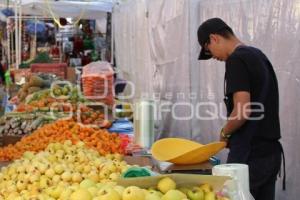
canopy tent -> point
(56, 9)
(89, 10)
(84, 9)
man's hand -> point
(222, 139)
(223, 136)
(240, 113)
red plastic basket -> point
(59, 69)
(98, 82)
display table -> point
(166, 168)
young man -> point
(252, 131)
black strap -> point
(284, 172)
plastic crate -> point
(59, 69)
(98, 82)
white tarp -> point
(148, 56)
(271, 25)
(133, 52)
(274, 27)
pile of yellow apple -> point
(63, 171)
(74, 172)
(166, 189)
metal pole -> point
(20, 35)
(16, 34)
(12, 49)
(112, 37)
(8, 43)
(32, 17)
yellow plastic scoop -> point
(183, 152)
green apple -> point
(109, 194)
(104, 173)
(119, 189)
(20, 169)
(86, 183)
(152, 196)
(93, 190)
(58, 169)
(166, 184)
(93, 176)
(87, 169)
(210, 196)
(153, 191)
(56, 179)
(196, 194)
(66, 176)
(29, 155)
(50, 173)
(174, 195)
(44, 182)
(11, 188)
(100, 185)
(66, 194)
(76, 177)
(206, 188)
(133, 193)
(114, 176)
(184, 190)
(51, 158)
(81, 194)
(57, 192)
(21, 185)
(42, 168)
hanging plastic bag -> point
(7, 78)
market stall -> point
(76, 152)
(69, 135)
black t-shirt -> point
(248, 69)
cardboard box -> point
(139, 160)
(71, 75)
(182, 180)
(201, 168)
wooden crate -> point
(11, 139)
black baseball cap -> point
(208, 27)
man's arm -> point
(239, 114)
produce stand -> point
(56, 143)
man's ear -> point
(214, 38)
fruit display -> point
(63, 93)
(48, 99)
(34, 84)
(99, 139)
(89, 116)
(67, 171)
(169, 190)
(166, 189)
(19, 124)
(83, 114)
(62, 171)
